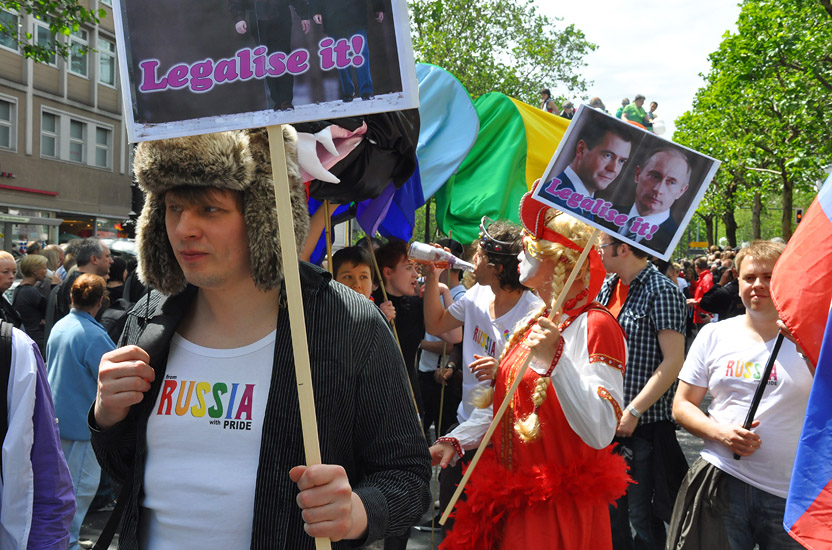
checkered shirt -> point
(653, 303)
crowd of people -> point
(633, 113)
(192, 407)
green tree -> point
(499, 46)
(764, 109)
(63, 17)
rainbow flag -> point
(801, 287)
(515, 143)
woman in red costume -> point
(550, 474)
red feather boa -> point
(494, 493)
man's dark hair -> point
(86, 249)
(118, 269)
(701, 262)
(391, 254)
(592, 134)
(637, 252)
(506, 232)
(354, 255)
(639, 96)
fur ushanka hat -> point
(237, 160)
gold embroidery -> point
(607, 360)
(604, 393)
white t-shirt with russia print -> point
(727, 360)
(203, 440)
(484, 335)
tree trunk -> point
(709, 229)
(756, 211)
(788, 197)
(730, 227)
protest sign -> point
(200, 66)
(626, 181)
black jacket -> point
(366, 419)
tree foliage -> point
(765, 108)
(500, 46)
(63, 17)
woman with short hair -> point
(29, 302)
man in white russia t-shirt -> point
(727, 360)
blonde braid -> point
(528, 429)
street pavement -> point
(419, 540)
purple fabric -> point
(54, 500)
(370, 213)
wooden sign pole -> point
(504, 405)
(291, 271)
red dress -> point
(552, 492)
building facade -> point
(64, 156)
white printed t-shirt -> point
(203, 440)
(487, 337)
(429, 361)
(726, 359)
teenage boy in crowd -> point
(353, 267)
(401, 276)
(197, 415)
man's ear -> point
(386, 272)
(580, 149)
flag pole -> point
(291, 281)
(761, 387)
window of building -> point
(9, 21)
(8, 126)
(77, 129)
(107, 2)
(103, 137)
(45, 38)
(106, 61)
(49, 135)
(79, 44)
(67, 137)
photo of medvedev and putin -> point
(213, 65)
(626, 181)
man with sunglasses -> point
(488, 311)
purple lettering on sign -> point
(620, 220)
(149, 82)
(552, 186)
(325, 53)
(342, 51)
(298, 62)
(357, 46)
(178, 76)
(260, 61)
(202, 76)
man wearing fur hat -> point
(197, 414)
